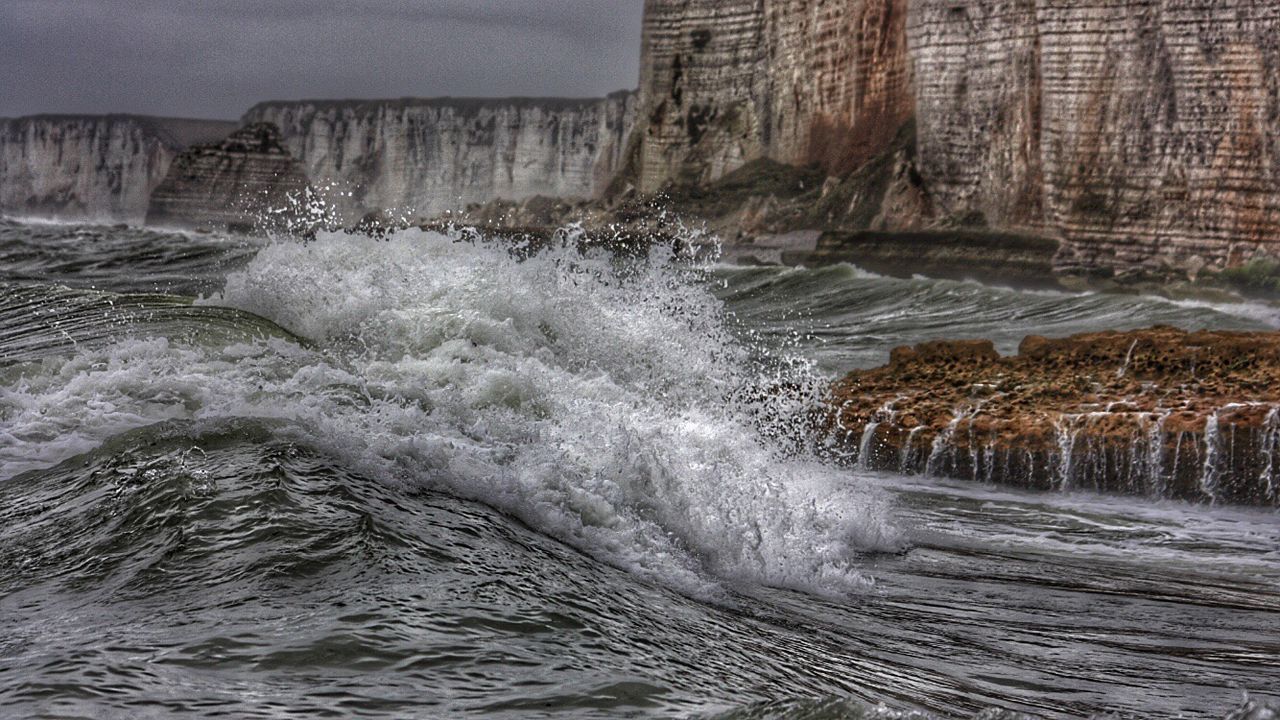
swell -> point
(846, 318)
(40, 321)
(118, 258)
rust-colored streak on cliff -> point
(796, 81)
(844, 136)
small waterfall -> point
(908, 456)
(1209, 475)
(1234, 457)
(1067, 430)
(941, 449)
(885, 415)
(1270, 446)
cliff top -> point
(464, 103)
(177, 132)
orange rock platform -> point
(1159, 412)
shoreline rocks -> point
(1158, 412)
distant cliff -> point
(424, 157)
(91, 167)
(1140, 134)
(246, 182)
(1125, 136)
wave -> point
(845, 319)
(119, 259)
(41, 321)
(604, 402)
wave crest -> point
(604, 402)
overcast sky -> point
(216, 58)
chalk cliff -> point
(1138, 135)
(795, 81)
(1139, 131)
(424, 157)
(91, 167)
(246, 182)
(1141, 134)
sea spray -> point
(605, 404)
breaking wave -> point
(603, 402)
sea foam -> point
(604, 403)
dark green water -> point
(417, 478)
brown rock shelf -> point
(1158, 412)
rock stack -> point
(246, 183)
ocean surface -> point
(421, 478)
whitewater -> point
(426, 476)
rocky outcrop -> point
(91, 167)
(247, 182)
(427, 157)
(1158, 412)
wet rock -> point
(1159, 412)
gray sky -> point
(215, 58)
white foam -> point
(596, 408)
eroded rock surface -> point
(1159, 412)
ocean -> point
(424, 476)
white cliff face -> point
(1141, 132)
(100, 168)
(426, 157)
